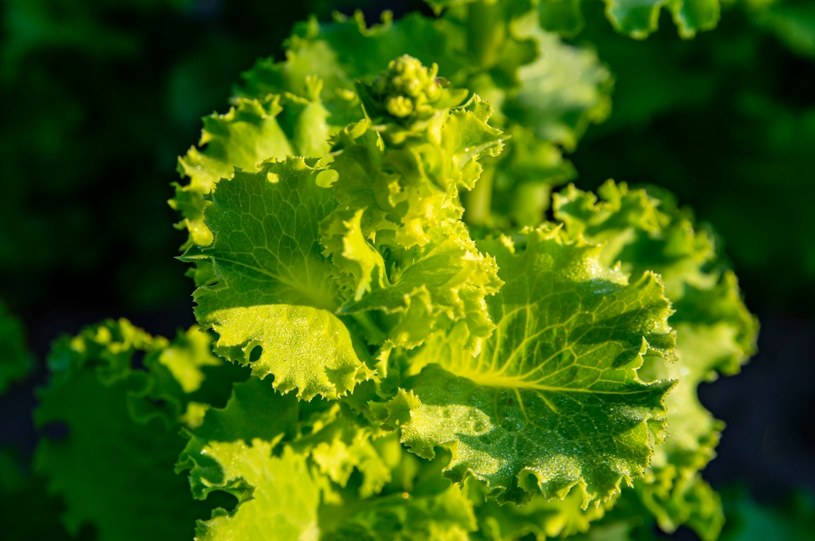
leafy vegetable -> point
(349, 276)
(716, 334)
(395, 341)
(637, 18)
(535, 63)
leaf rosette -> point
(531, 372)
(317, 269)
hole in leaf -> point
(137, 360)
(220, 499)
(159, 403)
(326, 178)
(255, 353)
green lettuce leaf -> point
(410, 257)
(338, 476)
(421, 505)
(561, 88)
(715, 333)
(346, 447)
(639, 18)
(636, 18)
(576, 85)
(347, 49)
(254, 130)
(246, 135)
(547, 108)
(115, 380)
(235, 450)
(274, 296)
(553, 400)
(283, 507)
(540, 518)
(309, 264)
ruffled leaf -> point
(552, 400)
(639, 18)
(563, 87)
(561, 92)
(636, 18)
(111, 380)
(541, 518)
(274, 294)
(416, 504)
(715, 333)
(282, 504)
(243, 137)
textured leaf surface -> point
(441, 513)
(409, 255)
(409, 178)
(540, 517)
(553, 400)
(232, 451)
(347, 49)
(676, 498)
(348, 451)
(274, 288)
(253, 412)
(266, 250)
(243, 137)
(715, 334)
(438, 289)
(546, 92)
(416, 504)
(305, 349)
(413, 258)
(283, 504)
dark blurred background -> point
(99, 97)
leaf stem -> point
(530, 202)
(373, 334)
(478, 201)
(486, 31)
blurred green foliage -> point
(727, 122)
(16, 361)
(100, 97)
(750, 520)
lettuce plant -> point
(403, 332)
